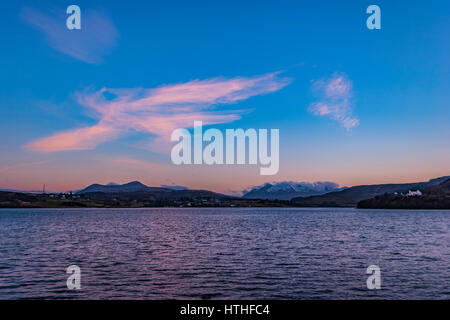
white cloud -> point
(335, 102)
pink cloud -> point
(338, 86)
(78, 139)
(96, 38)
(159, 111)
(335, 96)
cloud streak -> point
(79, 139)
(19, 166)
(96, 38)
(159, 111)
(335, 96)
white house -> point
(414, 193)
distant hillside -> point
(136, 191)
(138, 199)
(433, 197)
(17, 199)
(155, 195)
(351, 196)
(134, 186)
(288, 190)
(130, 195)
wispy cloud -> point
(19, 166)
(335, 96)
(96, 38)
(79, 139)
(158, 111)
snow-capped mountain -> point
(287, 190)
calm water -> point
(224, 253)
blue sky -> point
(397, 80)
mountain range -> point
(136, 194)
(140, 192)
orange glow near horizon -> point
(74, 175)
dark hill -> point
(134, 186)
(156, 195)
(351, 196)
(433, 197)
(122, 197)
(136, 191)
(17, 199)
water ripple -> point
(224, 253)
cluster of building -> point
(410, 193)
(63, 196)
(198, 202)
